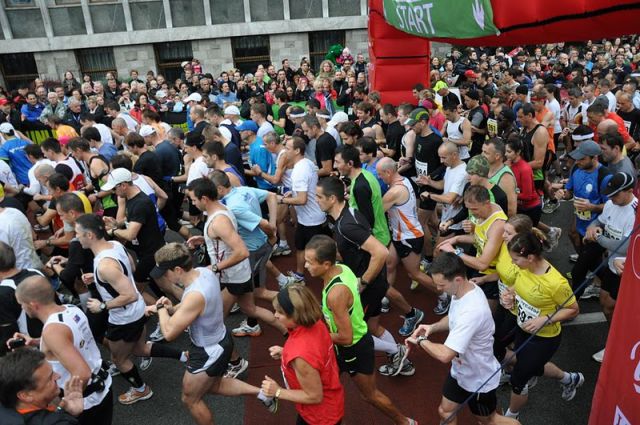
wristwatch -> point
(160, 306)
(103, 306)
(459, 251)
(420, 339)
(214, 268)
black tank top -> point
(527, 144)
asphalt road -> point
(545, 407)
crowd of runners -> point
(452, 187)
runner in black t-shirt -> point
(366, 257)
(394, 132)
(141, 232)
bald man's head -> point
(607, 126)
(35, 289)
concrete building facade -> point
(45, 38)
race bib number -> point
(526, 311)
(492, 126)
(502, 288)
(583, 215)
(422, 168)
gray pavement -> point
(545, 406)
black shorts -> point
(407, 246)
(130, 332)
(481, 404)
(610, 281)
(428, 204)
(358, 358)
(371, 296)
(533, 213)
(532, 357)
(238, 289)
(143, 268)
(200, 361)
(304, 234)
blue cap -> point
(248, 126)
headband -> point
(300, 115)
(326, 117)
(180, 261)
(581, 137)
(285, 302)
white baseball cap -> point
(6, 128)
(231, 110)
(117, 176)
(193, 97)
(147, 130)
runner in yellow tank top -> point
(487, 238)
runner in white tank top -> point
(219, 251)
(75, 319)
(125, 314)
(454, 132)
(403, 219)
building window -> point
(20, 3)
(147, 15)
(249, 52)
(226, 12)
(187, 13)
(96, 62)
(266, 10)
(344, 8)
(305, 9)
(319, 43)
(18, 69)
(170, 56)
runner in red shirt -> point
(308, 360)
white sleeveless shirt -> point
(403, 218)
(128, 313)
(219, 251)
(208, 329)
(454, 132)
(75, 319)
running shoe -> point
(297, 277)
(569, 390)
(281, 250)
(591, 291)
(412, 421)
(407, 369)
(289, 280)
(234, 308)
(550, 207)
(444, 301)
(410, 323)
(385, 305)
(396, 362)
(112, 368)
(156, 335)
(145, 362)
(41, 229)
(245, 330)
(134, 396)
(599, 356)
(414, 285)
(425, 265)
(554, 236)
(233, 371)
(573, 258)
(505, 377)
(271, 403)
